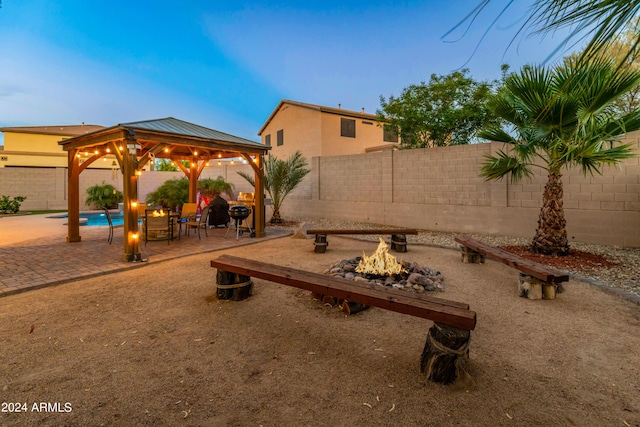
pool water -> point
(95, 219)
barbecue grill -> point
(239, 213)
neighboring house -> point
(37, 146)
(315, 130)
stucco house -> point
(37, 146)
(316, 130)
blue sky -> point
(226, 65)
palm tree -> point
(280, 178)
(602, 19)
(557, 119)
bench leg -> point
(320, 244)
(469, 256)
(233, 286)
(399, 242)
(445, 352)
(532, 288)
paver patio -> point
(49, 260)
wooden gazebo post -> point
(130, 197)
(73, 194)
(258, 168)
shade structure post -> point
(73, 201)
(193, 182)
(259, 196)
(131, 248)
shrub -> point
(175, 192)
(103, 196)
(8, 205)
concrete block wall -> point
(435, 189)
(46, 188)
(440, 189)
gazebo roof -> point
(183, 137)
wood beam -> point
(259, 214)
(73, 197)
(131, 249)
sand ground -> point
(153, 346)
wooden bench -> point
(398, 237)
(536, 281)
(453, 321)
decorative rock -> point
(417, 279)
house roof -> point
(180, 135)
(65, 130)
(323, 109)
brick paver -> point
(50, 260)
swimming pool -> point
(95, 219)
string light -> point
(108, 150)
(166, 150)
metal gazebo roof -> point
(182, 136)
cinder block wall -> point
(46, 188)
(440, 189)
(435, 189)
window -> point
(389, 134)
(267, 140)
(280, 137)
(348, 128)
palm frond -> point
(497, 167)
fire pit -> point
(383, 269)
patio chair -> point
(160, 226)
(200, 222)
(108, 215)
(188, 213)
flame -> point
(380, 262)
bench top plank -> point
(370, 231)
(452, 313)
(542, 272)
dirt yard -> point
(153, 346)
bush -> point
(7, 205)
(174, 193)
(103, 196)
(171, 194)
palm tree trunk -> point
(551, 235)
(275, 218)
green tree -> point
(103, 196)
(557, 119)
(165, 165)
(281, 177)
(448, 110)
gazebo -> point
(137, 143)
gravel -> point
(619, 272)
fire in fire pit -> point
(382, 268)
(381, 263)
